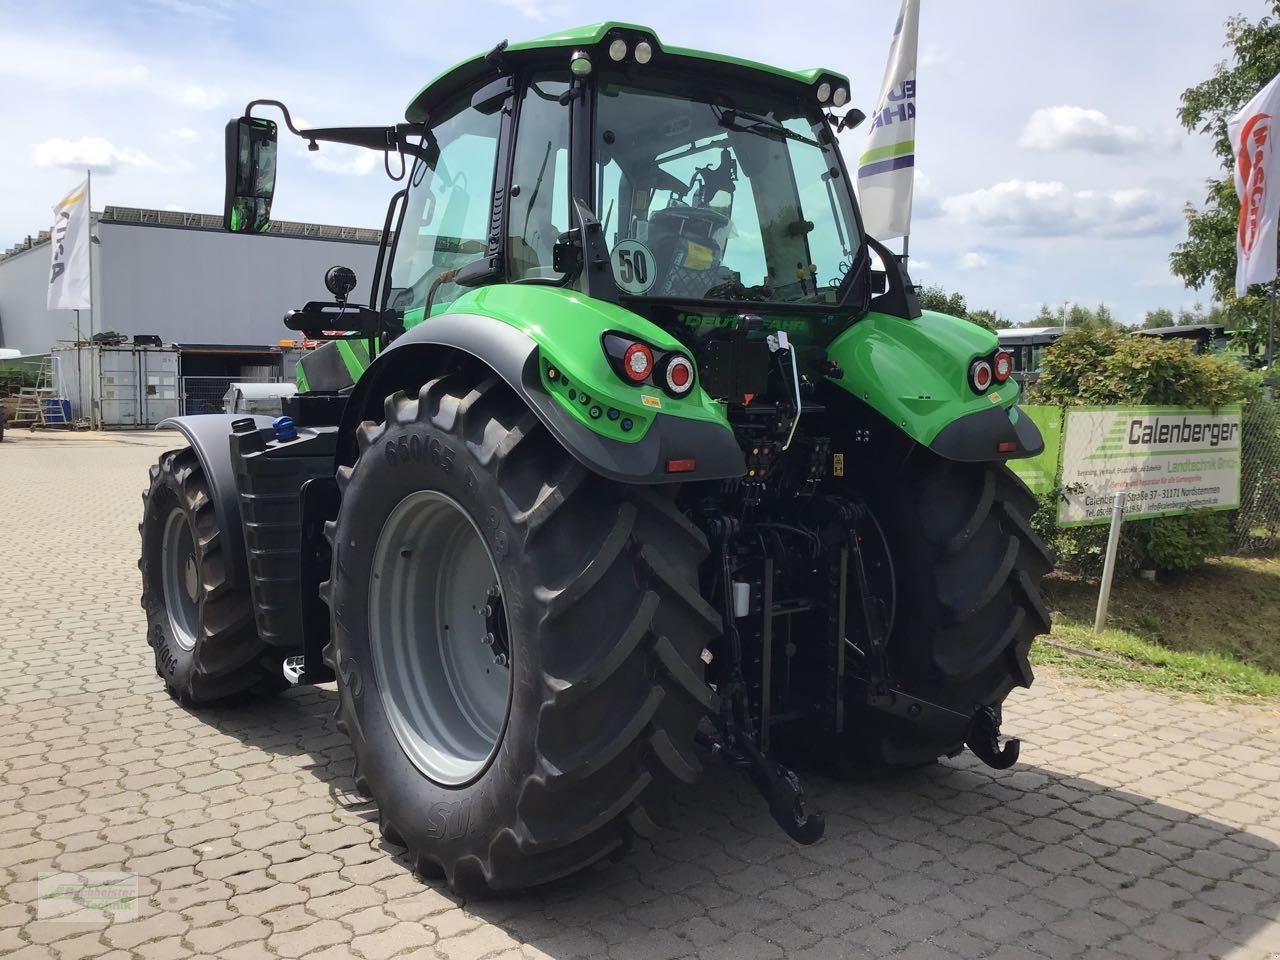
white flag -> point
(1258, 186)
(886, 170)
(69, 238)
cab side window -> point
(539, 209)
(446, 219)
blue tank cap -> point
(284, 428)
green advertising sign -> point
(1040, 472)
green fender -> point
(523, 331)
(915, 374)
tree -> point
(1075, 316)
(1158, 318)
(1208, 256)
(989, 319)
(935, 297)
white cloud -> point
(96, 153)
(917, 264)
(69, 65)
(1050, 209)
(1079, 128)
(933, 55)
(973, 261)
(197, 97)
(185, 134)
(535, 10)
(925, 203)
(339, 158)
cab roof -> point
(586, 37)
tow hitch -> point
(778, 784)
(984, 741)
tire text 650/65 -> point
(411, 448)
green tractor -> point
(632, 463)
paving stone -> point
(1136, 825)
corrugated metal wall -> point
(188, 286)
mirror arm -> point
(384, 139)
(288, 120)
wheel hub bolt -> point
(487, 639)
(500, 659)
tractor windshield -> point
(705, 196)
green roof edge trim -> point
(593, 33)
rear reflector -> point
(682, 466)
(1007, 446)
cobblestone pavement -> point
(1136, 825)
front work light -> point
(618, 50)
(644, 52)
(580, 64)
(824, 92)
(840, 97)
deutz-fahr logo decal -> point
(697, 320)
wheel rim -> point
(439, 638)
(181, 575)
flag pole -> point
(1271, 325)
(88, 198)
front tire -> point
(603, 627)
(200, 627)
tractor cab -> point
(687, 187)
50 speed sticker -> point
(633, 268)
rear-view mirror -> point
(251, 175)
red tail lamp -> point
(682, 466)
(1002, 366)
(637, 362)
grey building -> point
(217, 297)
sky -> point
(1050, 164)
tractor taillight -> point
(1002, 366)
(980, 375)
(637, 362)
(679, 375)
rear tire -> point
(967, 568)
(200, 628)
(604, 627)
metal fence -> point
(1257, 522)
(204, 394)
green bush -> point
(1103, 367)
(1179, 544)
